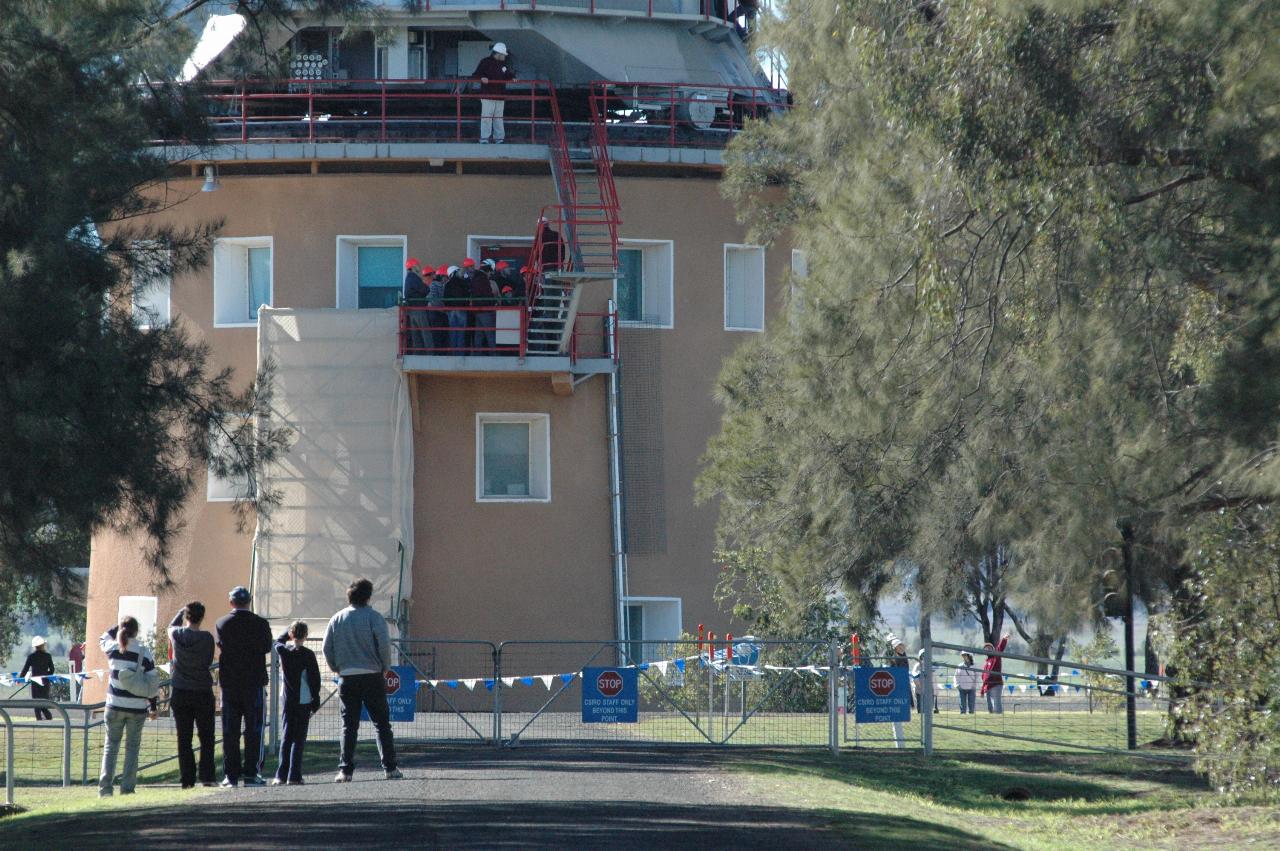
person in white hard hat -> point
(493, 72)
(39, 664)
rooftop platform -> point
(431, 152)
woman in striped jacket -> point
(126, 710)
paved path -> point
(479, 797)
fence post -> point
(8, 757)
(926, 696)
(274, 702)
(497, 696)
(833, 680)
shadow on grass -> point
(480, 824)
(978, 780)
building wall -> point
(472, 556)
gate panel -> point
(456, 690)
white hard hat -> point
(453, 270)
(37, 641)
(500, 48)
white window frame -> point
(540, 434)
(218, 493)
(240, 245)
(641, 601)
(671, 288)
(346, 270)
(476, 240)
(139, 308)
(732, 246)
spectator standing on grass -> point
(131, 695)
(192, 700)
(917, 678)
(358, 646)
(75, 656)
(244, 640)
(897, 659)
(992, 681)
(300, 681)
(39, 664)
(966, 679)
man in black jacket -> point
(457, 295)
(245, 640)
(483, 294)
(493, 72)
(300, 674)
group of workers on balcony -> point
(455, 326)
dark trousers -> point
(295, 722)
(920, 702)
(241, 706)
(39, 692)
(369, 691)
(194, 709)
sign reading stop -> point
(392, 681)
(880, 695)
(882, 683)
(609, 683)
(610, 695)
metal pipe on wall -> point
(618, 520)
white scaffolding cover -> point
(347, 480)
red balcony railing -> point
(429, 330)
(681, 115)
(710, 10)
(373, 111)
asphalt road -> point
(475, 797)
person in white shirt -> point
(966, 680)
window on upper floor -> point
(151, 289)
(224, 488)
(242, 279)
(743, 288)
(513, 458)
(370, 270)
(643, 291)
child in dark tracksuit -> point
(300, 674)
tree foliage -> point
(1041, 304)
(102, 423)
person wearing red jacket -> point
(992, 681)
(493, 72)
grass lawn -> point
(883, 799)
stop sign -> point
(882, 683)
(609, 683)
(393, 681)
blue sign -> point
(880, 695)
(402, 692)
(610, 695)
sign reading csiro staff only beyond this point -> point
(881, 694)
(610, 695)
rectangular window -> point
(513, 458)
(224, 488)
(799, 271)
(635, 635)
(242, 279)
(370, 271)
(643, 291)
(653, 627)
(743, 288)
(151, 293)
(378, 269)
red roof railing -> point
(681, 115)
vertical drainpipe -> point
(618, 543)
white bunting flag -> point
(470, 685)
(662, 667)
(509, 681)
(546, 680)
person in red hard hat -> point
(439, 316)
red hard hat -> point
(468, 263)
(524, 270)
(502, 264)
(506, 289)
(411, 262)
(443, 270)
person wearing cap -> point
(244, 640)
(917, 679)
(897, 659)
(415, 294)
(966, 680)
(39, 664)
(457, 295)
(493, 72)
(508, 277)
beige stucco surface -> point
(491, 571)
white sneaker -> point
(484, 141)
(341, 777)
(394, 774)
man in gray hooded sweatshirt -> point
(358, 646)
